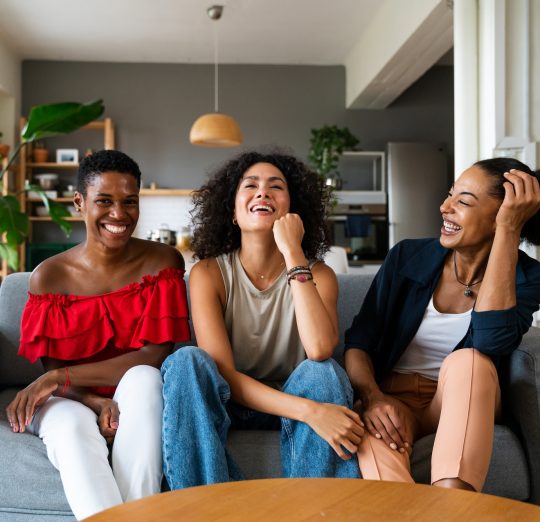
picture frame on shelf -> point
(67, 156)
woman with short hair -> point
(102, 316)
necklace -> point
(262, 276)
(269, 276)
(467, 292)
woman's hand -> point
(288, 233)
(108, 417)
(337, 425)
(22, 408)
(521, 200)
(389, 419)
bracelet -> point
(67, 381)
(297, 269)
(301, 277)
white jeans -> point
(79, 452)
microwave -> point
(362, 229)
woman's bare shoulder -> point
(206, 269)
(158, 256)
(53, 275)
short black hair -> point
(213, 230)
(105, 161)
(495, 169)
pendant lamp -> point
(215, 129)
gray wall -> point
(154, 105)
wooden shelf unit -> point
(4, 269)
(27, 167)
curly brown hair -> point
(213, 230)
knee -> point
(320, 371)
(70, 423)
(469, 359)
(324, 381)
(185, 360)
(142, 376)
(191, 370)
(141, 385)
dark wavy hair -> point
(495, 168)
(213, 230)
(105, 161)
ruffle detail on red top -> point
(66, 327)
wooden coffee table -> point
(280, 500)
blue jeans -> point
(197, 416)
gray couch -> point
(30, 488)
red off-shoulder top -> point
(91, 328)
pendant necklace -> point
(262, 276)
(467, 292)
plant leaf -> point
(12, 221)
(58, 212)
(60, 118)
(10, 254)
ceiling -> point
(317, 32)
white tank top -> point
(436, 337)
(261, 324)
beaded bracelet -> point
(300, 274)
(300, 277)
(297, 268)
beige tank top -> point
(261, 324)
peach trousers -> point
(460, 408)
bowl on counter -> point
(47, 180)
(41, 210)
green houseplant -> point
(326, 145)
(44, 121)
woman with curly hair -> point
(264, 313)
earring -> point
(234, 222)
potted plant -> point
(4, 148)
(44, 121)
(326, 145)
(39, 153)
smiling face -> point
(261, 198)
(469, 212)
(110, 208)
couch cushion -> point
(14, 370)
(30, 483)
(352, 289)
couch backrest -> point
(17, 371)
(14, 370)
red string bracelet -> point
(67, 380)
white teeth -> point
(262, 207)
(451, 227)
(115, 229)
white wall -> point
(399, 46)
(10, 93)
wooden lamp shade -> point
(215, 130)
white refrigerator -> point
(419, 177)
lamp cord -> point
(216, 71)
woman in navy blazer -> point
(471, 288)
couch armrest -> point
(523, 395)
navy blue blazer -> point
(395, 303)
